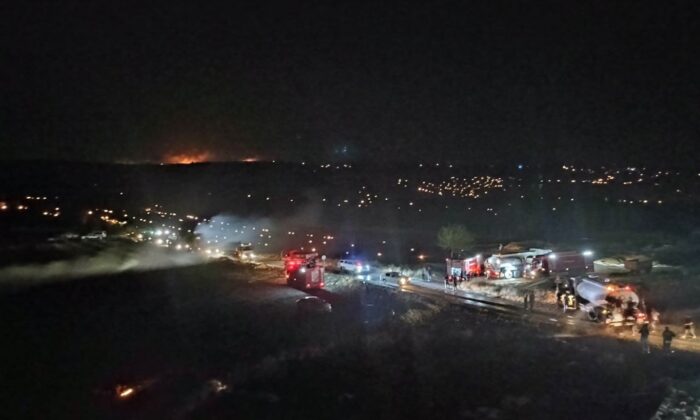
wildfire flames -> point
(124, 391)
(187, 158)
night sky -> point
(489, 81)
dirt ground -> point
(222, 340)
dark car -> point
(313, 305)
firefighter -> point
(565, 300)
(644, 338)
(560, 292)
(689, 328)
(571, 300)
(668, 337)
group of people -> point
(667, 335)
(456, 280)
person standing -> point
(531, 300)
(571, 301)
(526, 296)
(689, 328)
(668, 337)
(644, 338)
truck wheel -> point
(596, 315)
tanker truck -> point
(606, 302)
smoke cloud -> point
(226, 231)
(112, 259)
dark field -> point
(380, 354)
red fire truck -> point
(463, 267)
(303, 270)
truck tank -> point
(600, 296)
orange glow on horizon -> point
(187, 158)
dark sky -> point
(487, 81)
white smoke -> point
(112, 259)
(226, 231)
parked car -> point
(313, 305)
(353, 266)
(395, 276)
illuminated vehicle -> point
(463, 267)
(353, 266)
(395, 276)
(601, 300)
(512, 265)
(304, 270)
(244, 252)
(568, 262)
(504, 267)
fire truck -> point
(463, 267)
(304, 270)
(568, 262)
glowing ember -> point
(124, 391)
(187, 158)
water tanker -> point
(601, 300)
